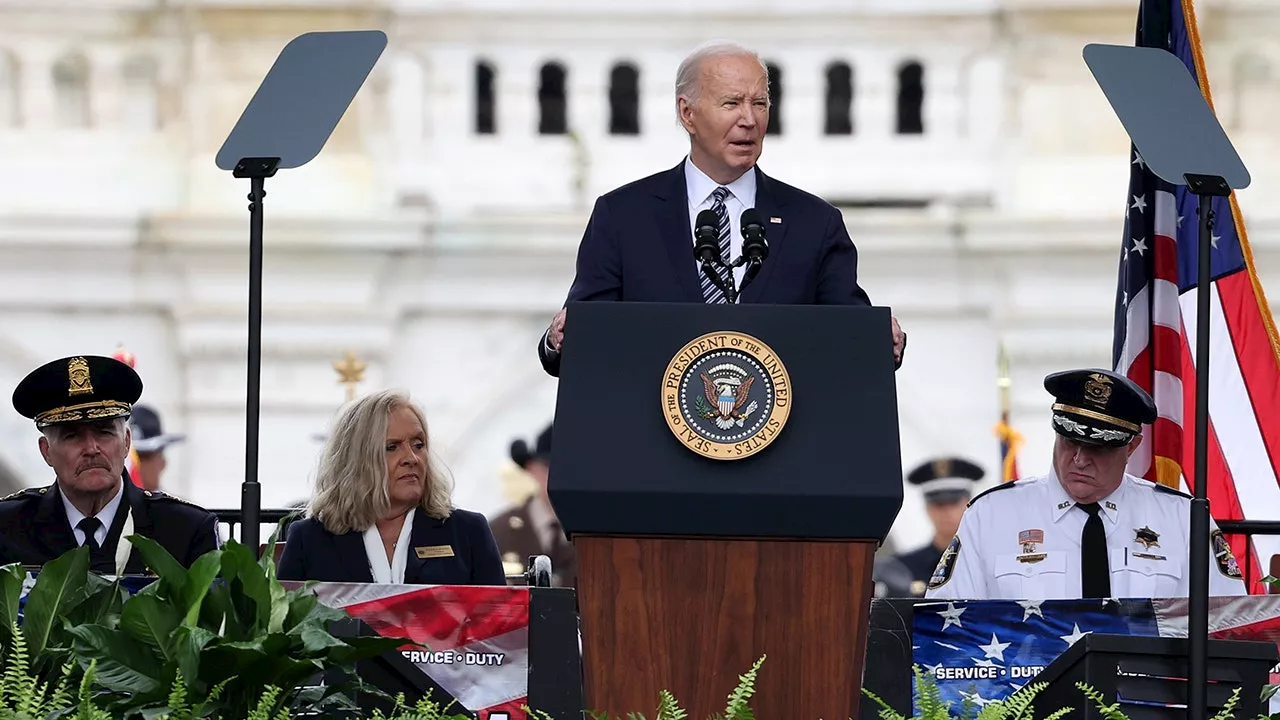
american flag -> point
(984, 650)
(1155, 330)
(477, 637)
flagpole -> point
(1198, 600)
(1004, 430)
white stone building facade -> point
(435, 235)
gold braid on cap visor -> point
(97, 410)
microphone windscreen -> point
(707, 218)
(750, 217)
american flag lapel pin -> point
(775, 220)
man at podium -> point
(1087, 529)
(639, 242)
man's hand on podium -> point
(555, 333)
(899, 343)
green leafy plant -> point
(192, 644)
(738, 707)
(1017, 706)
(223, 631)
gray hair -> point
(351, 483)
(50, 431)
(689, 75)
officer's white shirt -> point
(998, 552)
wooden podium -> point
(726, 473)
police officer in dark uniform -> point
(150, 441)
(532, 528)
(81, 406)
(947, 484)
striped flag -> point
(477, 637)
(1010, 439)
(1155, 329)
(135, 464)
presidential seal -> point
(726, 395)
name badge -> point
(434, 551)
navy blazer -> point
(638, 247)
(313, 553)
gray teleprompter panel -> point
(303, 97)
(1162, 110)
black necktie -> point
(1095, 572)
(89, 526)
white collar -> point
(699, 186)
(383, 571)
(106, 515)
(1063, 502)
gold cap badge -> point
(1097, 390)
(78, 379)
(942, 468)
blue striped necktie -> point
(710, 292)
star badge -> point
(1148, 537)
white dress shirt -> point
(106, 516)
(383, 571)
(742, 195)
(1022, 542)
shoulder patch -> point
(1223, 557)
(946, 564)
(988, 491)
(28, 492)
(1172, 491)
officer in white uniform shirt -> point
(1088, 528)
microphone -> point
(755, 248)
(706, 248)
(706, 238)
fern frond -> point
(1110, 712)
(1018, 706)
(266, 705)
(668, 708)
(1058, 714)
(1229, 709)
(738, 707)
(929, 697)
(86, 710)
(886, 712)
(61, 698)
(17, 669)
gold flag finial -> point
(350, 372)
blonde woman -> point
(382, 511)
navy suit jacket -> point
(33, 523)
(638, 247)
(313, 553)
